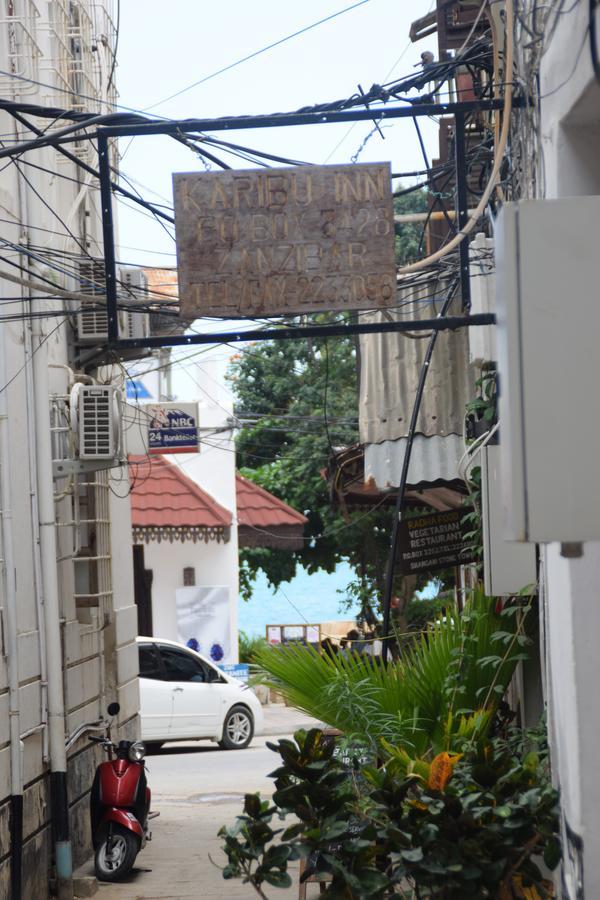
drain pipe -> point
(54, 661)
(10, 594)
(22, 193)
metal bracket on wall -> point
(62, 468)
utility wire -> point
(115, 48)
(90, 170)
(256, 53)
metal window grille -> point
(54, 65)
(19, 49)
(93, 561)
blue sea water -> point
(306, 598)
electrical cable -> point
(130, 114)
(377, 93)
(255, 54)
(474, 218)
(391, 564)
(115, 48)
(153, 297)
(87, 168)
(270, 156)
(32, 354)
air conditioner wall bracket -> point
(62, 468)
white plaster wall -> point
(214, 565)
(571, 610)
(83, 665)
(213, 469)
(124, 624)
(570, 108)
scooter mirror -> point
(113, 709)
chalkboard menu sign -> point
(352, 755)
(435, 541)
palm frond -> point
(458, 669)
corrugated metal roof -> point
(163, 497)
(432, 459)
(390, 367)
(353, 489)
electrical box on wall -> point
(548, 350)
(508, 566)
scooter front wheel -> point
(116, 853)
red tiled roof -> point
(257, 508)
(163, 497)
(168, 503)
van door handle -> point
(177, 689)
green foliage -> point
(483, 413)
(376, 833)
(497, 811)
(460, 665)
(288, 387)
(317, 788)
(420, 613)
(248, 845)
(408, 234)
(249, 646)
(362, 593)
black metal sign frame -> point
(459, 110)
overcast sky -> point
(169, 46)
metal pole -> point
(108, 237)
(391, 566)
(462, 206)
(312, 117)
(298, 332)
(56, 704)
(12, 638)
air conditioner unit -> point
(96, 421)
(92, 318)
(92, 324)
(133, 289)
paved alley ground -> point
(197, 788)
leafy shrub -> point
(249, 646)
(464, 827)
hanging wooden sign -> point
(436, 541)
(282, 241)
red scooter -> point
(119, 806)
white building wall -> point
(98, 653)
(570, 132)
(213, 469)
(213, 566)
